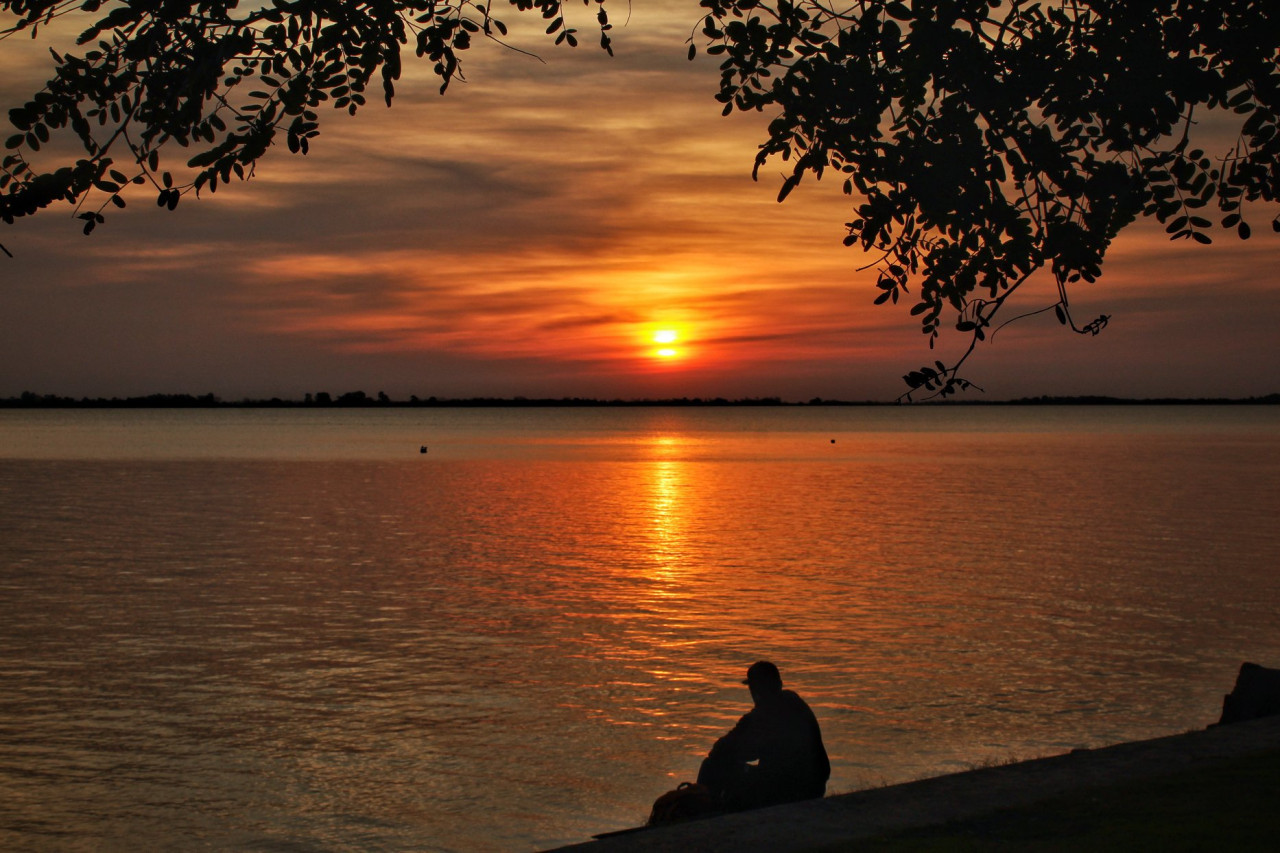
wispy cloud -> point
(527, 232)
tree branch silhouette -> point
(200, 75)
(982, 141)
(986, 141)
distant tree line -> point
(359, 399)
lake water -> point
(289, 629)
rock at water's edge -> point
(1256, 694)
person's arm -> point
(725, 764)
(740, 745)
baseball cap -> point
(763, 673)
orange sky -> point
(527, 234)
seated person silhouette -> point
(773, 755)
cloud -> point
(524, 234)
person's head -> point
(763, 679)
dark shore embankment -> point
(840, 820)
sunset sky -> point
(531, 232)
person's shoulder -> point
(793, 701)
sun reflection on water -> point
(669, 524)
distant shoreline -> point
(359, 400)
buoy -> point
(422, 449)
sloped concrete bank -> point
(929, 802)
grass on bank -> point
(1233, 805)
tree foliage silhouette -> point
(221, 82)
(985, 141)
(982, 140)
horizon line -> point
(359, 400)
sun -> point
(664, 338)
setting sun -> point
(665, 337)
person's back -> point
(775, 752)
(793, 762)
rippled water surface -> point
(247, 629)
